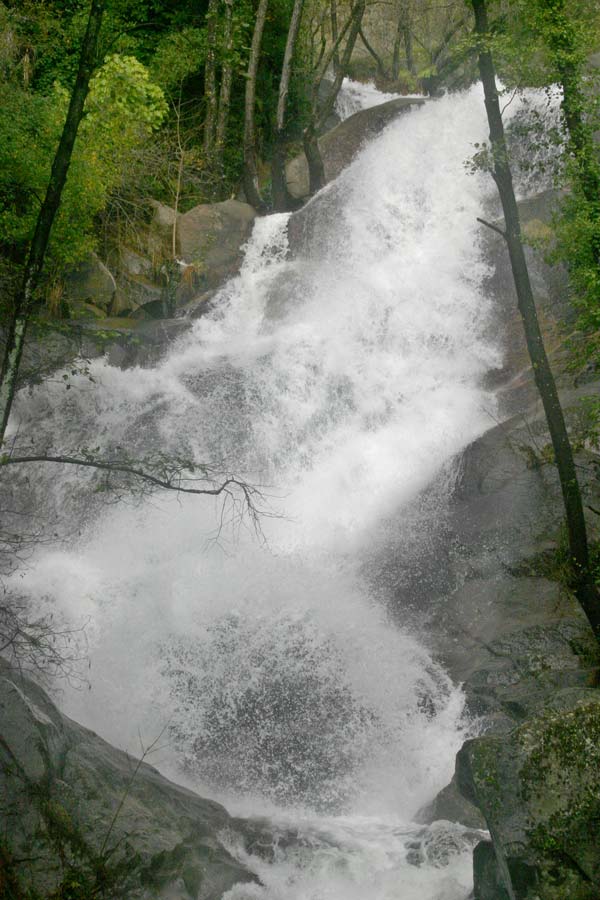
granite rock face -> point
(76, 810)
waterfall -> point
(343, 377)
(357, 95)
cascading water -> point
(357, 95)
(344, 378)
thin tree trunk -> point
(396, 52)
(408, 49)
(282, 199)
(210, 79)
(334, 36)
(180, 167)
(371, 50)
(60, 167)
(544, 379)
(403, 40)
(316, 169)
(226, 84)
(250, 169)
(407, 37)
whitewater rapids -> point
(343, 377)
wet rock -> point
(490, 885)
(72, 805)
(146, 344)
(539, 790)
(340, 145)
(199, 306)
(439, 844)
(450, 805)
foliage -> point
(123, 109)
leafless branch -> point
(493, 227)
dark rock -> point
(64, 791)
(340, 145)
(199, 306)
(135, 292)
(490, 885)
(452, 806)
(147, 343)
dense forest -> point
(140, 143)
(195, 103)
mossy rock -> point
(539, 790)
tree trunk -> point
(282, 199)
(371, 50)
(226, 84)
(403, 40)
(408, 41)
(250, 169)
(544, 379)
(334, 36)
(316, 168)
(396, 52)
(25, 298)
(210, 80)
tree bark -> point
(210, 80)
(60, 167)
(226, 85)
(583, 584)
(282, 199)
(403, 39)
(334, 36)
(316, 168)
(373, 52)
(250, 177)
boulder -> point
(451, 806)
(75, 810)
(340, 145)
(91, 282)
(159, 236)
(136, 293)
(210, 238)
(133, 264)
(539, 790)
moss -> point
(561, 777)
(484, 770)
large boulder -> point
(77, 813)
(91, 282)
(210, 239)
(340, 145)
(539, 790)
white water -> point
(345, 379)
(357, 95)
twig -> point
(493, 227)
